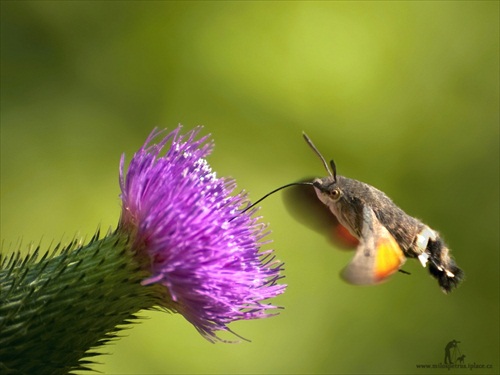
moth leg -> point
(421, 244)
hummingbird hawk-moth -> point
(386, 234)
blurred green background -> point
(404, 96)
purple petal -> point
(201, 246)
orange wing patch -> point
(389, 257)
(344, 238)
(378, 255)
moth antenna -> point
(332, 172)
(275, 191)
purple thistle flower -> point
(199, 243)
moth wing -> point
(378, 254)
(304, 206)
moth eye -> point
(335, 194)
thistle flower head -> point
(197, 241)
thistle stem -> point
(55, 309)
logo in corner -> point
(454, 358)
(453, 354)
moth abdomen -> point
(442, 266)
(403, 227)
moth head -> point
(329, 189)
(336, 193)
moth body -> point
(386, 234)
(354, 196)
